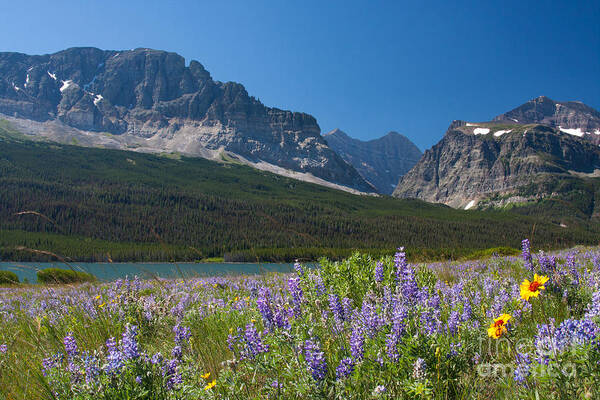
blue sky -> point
(364, 67)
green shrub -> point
(57, 275)
(8, 278)
(493, 252)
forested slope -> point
(124, 205)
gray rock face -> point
(571, 116)
(380, 161)
(150, 100)
(474, 160)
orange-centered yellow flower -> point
(498, 327)
(533, 288)
(205, 376)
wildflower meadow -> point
(364, 328)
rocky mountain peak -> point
(149, 100)
(571, 117)
(380, 161)
(475, 160)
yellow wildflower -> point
(498, 327)
(210, 385)
(533, 288)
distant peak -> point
(337, 132)
(543, 99)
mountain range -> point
(380, 161)
(151, 101)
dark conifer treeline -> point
(135, 206)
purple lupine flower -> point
(522, 370)
(476, 299)
(115, 359)
(345, 368)
(138, 380)
(315, 360)
(386, 300)
(391, 346)
(405, 277)
(263, 303)
(593, 309)
(357, 342)
(91, 368)
(573, 332)
(254, 344)
(467, 311)
(51, 362)
(3, 348)
(571, 265)
(156, 359)
(547, 264)
(419, 369)
(399, 263)
(319, 285)
(177, 352)
(369, 318)
(232, 341)
(399, 314)
(171, 372)
(596, 261)
(379, 272)
(453, 349)
(182, 334)
(347, 308)
(296, 292)
(336, 308)
(70, 345)
(275, 384)
(298, 268)
(430, 321)
(281, 318)
(551, 340)
(526, 254)
(129, 343)
(453, 322)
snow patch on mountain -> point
(65, 85)
(575, 132)
(502, 132)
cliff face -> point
(149, 100)
(476, 160)
(380, 161)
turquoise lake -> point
(110, 272)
